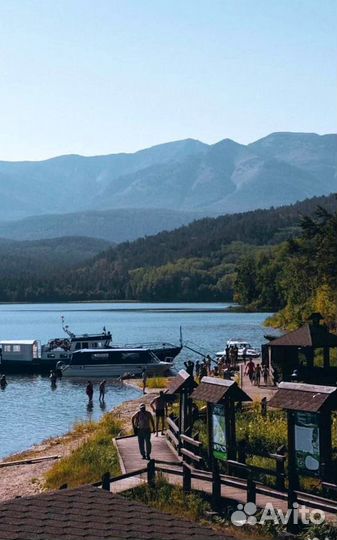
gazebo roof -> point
(304, 397)
(214, 390)
(179, 381)
(309, 335)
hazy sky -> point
(105, 76)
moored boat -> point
(245, 350)
(95, 350)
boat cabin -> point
(23, 350)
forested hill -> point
(41, 257)
(205, 237)
(197, 262)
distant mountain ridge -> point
(115, 226)
(187, 175)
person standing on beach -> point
(90, 390)
(102, 390)
(143, 425)
(159, 407)
(144, 379)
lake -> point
(30, 411)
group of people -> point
(90, 391)
(255, 372)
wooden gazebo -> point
(305, 354)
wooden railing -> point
(250, 486)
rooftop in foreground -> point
(92, 513)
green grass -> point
(157, 382)
(94, 457)
(171, 499)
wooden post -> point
(232, 432)
(293, 482)
(326, 357)
(325, 445)
(210, 435)
(280, 469)
(106, 481)
(187, 478)
(251, 488)
(242, 451)
(180, 411)
(151, 473)
(216, 487)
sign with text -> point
(219, 433)
(307, 442)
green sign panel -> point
(219, 433)
(307, 442)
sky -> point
(97, 77)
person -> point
(143, 425)
(250, 369)
(227, 350)
(102, 390)
(90, 390)
(203, 370)
(52, 377)
(197, 368)
(159, 407)
(208, 363)
(258, 374)
(265, 373)
(144, 379)
(189, 365)
(244, 354)
(3, 382)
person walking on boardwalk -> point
(258, 374)
(144, 379)
(265, 373)
(90, 390)
(143, 425)
(102, 390)
(159, 407)
(250, 370)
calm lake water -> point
(30, 411)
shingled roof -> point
(90, 513)
(309, 335)
(304, 397)
(213, 390)
(179, 381)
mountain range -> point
(184, 176)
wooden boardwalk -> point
(130, 458)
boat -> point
(244, 349)
(92, 354)
(115, 362)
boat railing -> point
(149, 345)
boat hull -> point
(87, 371)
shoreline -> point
(28, 479)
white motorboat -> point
(244, 349)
